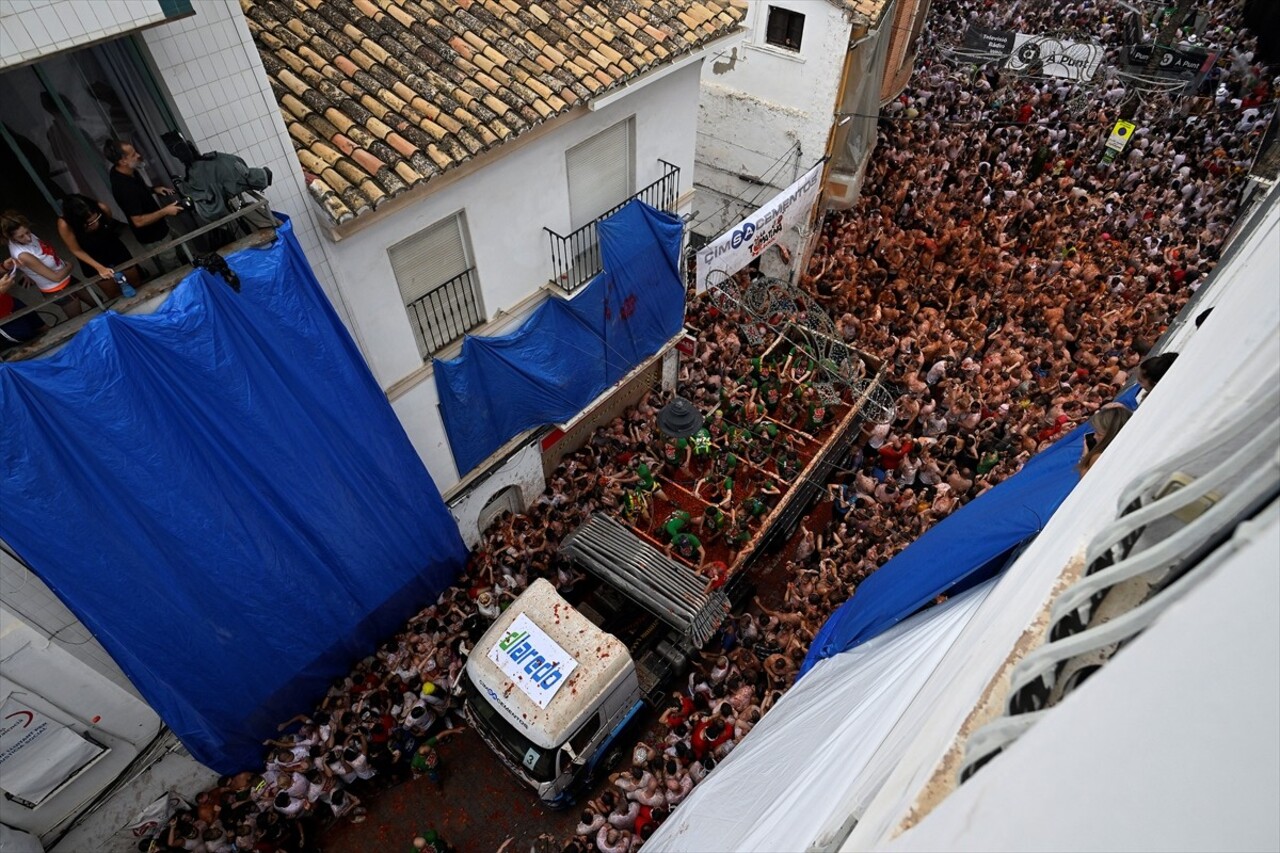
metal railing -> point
(446, 313)
(575, 258)
(88, 290)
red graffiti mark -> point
(629, 307)
(30, 717)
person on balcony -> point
(140, 202)
(25, 327)
(39, 261)
(87, 229)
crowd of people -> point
(1012, 283)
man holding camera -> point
(141, 202)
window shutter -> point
(600, 173)
(442, 303)
(429, 258)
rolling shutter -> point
(429, 258)
(601, 173)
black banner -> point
(1182, 63)
(989, 41)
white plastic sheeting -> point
(791, 780)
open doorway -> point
(509, 499)
(58, 114)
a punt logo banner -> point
(534, 661)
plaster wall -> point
(42, 673)
(758, 103)
(506, 205)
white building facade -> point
(806, 83)
(491, 216)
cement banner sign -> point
(743, 243)
(534, 661)
(37, 754)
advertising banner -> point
(37, 754)
(743, 243)
(1037, 54)
(1072, 60)
(1177, 63)
(534, 661)
(989, 41)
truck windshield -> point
(537, 762)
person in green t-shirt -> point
(646, 483)
(426, 761)
(635, 505)
(712, 522)
(702, 444)
(676, 452)
(676, 522)
(788, 464)
(739, 533)
(689, 547)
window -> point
(785, 28)
(601, 172)
(438, 284)
(585, 734)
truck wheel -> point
(608, 764)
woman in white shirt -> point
(38, 261)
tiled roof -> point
(380, 96)
(871, 8)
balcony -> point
(229, 234)
(446, 313)
(575, 258)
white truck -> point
(551, 690)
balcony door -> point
(602, 172)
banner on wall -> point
(1073, 60)
(744, 242)
(1057, 57)
(37, 753)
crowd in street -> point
(1012, 284)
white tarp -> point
(744, 242)
(37, 753)
(792, 779)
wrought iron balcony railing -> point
(446, 313)
(575, 257)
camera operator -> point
(141, 202)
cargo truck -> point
(554, 688)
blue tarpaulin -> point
(221, 492)
(568, 351)
(968, 545)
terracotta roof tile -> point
(379, 96)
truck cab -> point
(551, 687)
(550, 692)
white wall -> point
(47, 677)
(211, 69)
(1221, 373)
(30, 29)
(507, 204)
(758, 101)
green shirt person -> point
(702, 443)
(689, 547)
(676, 522)
(647, 482)
(676, 452)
